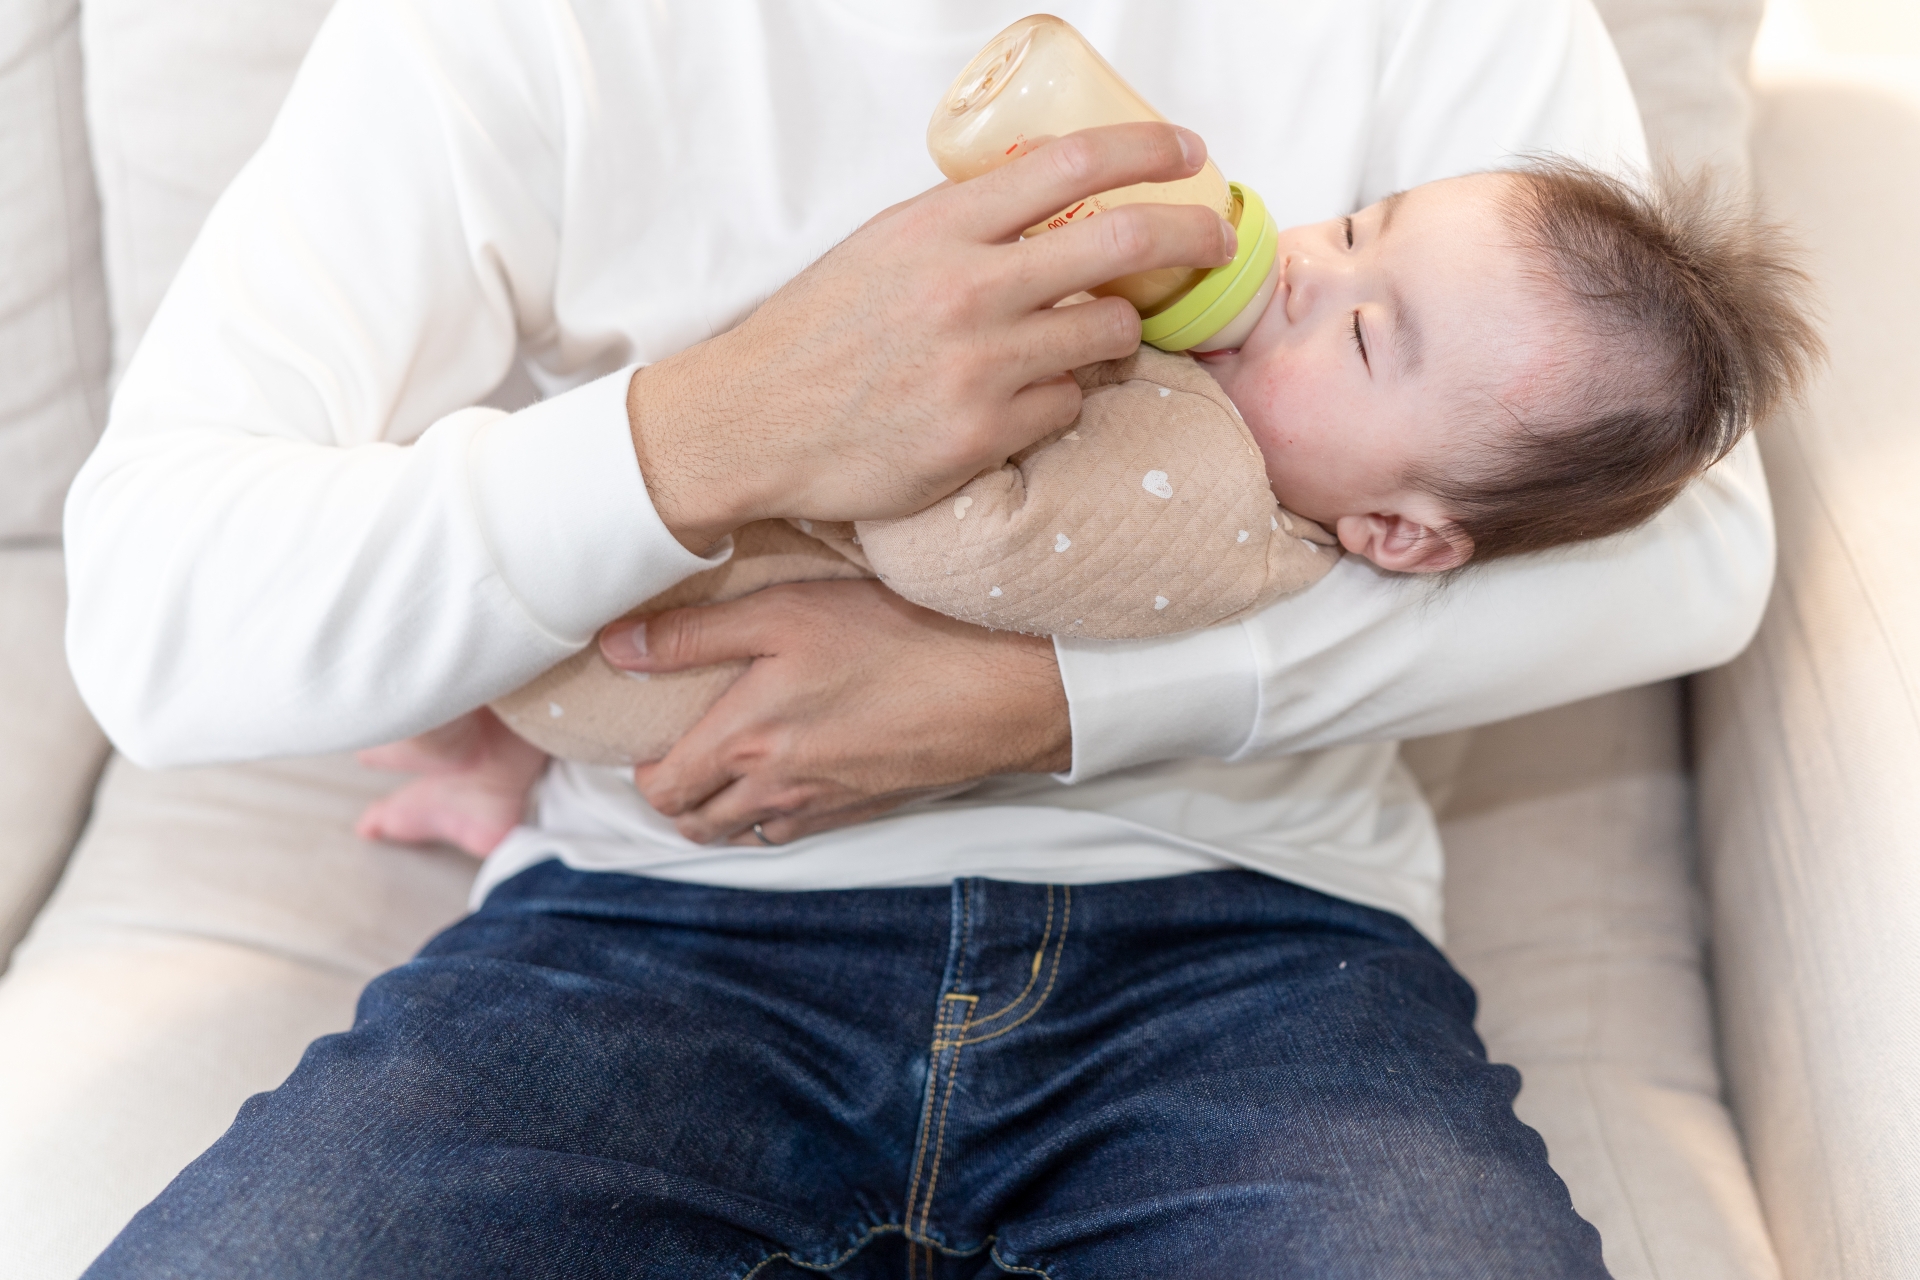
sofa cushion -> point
(1809, 743)
(178, 96)
(53, 324)
(1620, 1073)
(1572, 907)
(1687, 62)
(1570, 895)
(210, 925)
(50, 749)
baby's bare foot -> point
(478, 776)
(470, 811)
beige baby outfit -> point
(1151, 514)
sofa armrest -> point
(50, 749)
(1809, 744)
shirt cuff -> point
(1138, 702)
(567, 517)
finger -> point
(1068, 337)
(709, 757)
(745, 799)
(730, 813)
(1119, 242)
(674, 794)
(726, 816)
(699, 636)
(786, 828)
(1040, 407)
(1000, 205)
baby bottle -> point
(1039, 79)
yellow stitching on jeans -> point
(1033, 974)
(928, 1141)
(939, 1145)
(917, 1248)
(940, 1045)
(865, 1240)
(1015, 1267)
(966, 934)
(926, 1110)
(858, 1245)
(1059, 948)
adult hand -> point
(855, 702)
(921, 350)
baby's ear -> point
(1400, 545)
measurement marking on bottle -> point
(1059, 220)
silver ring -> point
(760, 835)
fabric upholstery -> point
(1809, 744)
(53, 322)
(215, 920)
(178, 96)
(1687, 62)
(1570, 896)
(50, 749)
(211, 923)
(1572, 906)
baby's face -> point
(1392, 341)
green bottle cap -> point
(1223, 292)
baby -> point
(1470, 369)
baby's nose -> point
(1298, 273)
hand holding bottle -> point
(923, 348)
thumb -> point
(680, 638)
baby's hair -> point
(1697, 322)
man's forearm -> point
(1369, 656)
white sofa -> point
(1688, 908)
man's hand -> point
(922, 350)
(856, 702)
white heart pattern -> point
(1157, 484)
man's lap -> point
(601, 1074)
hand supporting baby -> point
(1151, 515)
(1449, 375)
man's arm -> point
(285, 540)
(1466, 85)
(840, 719)
(293, 538)
(1365, 655)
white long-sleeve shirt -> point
(299, 534)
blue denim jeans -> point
(604, 1075)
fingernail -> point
(625, 645)
(1192, 149)
(1233, 239)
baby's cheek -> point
(1262, 395)
(1284, 475)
